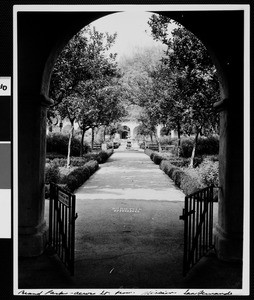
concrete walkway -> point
(128, 232)
(128, 235)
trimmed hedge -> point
(52, 173)
(205, 146)
(74, 179)
(188, 183)
(78, 176)
(101, 156)
(209, 172)
(74, 161)
(148, 151)
(158, 157)
(58, 143)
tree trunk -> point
(104, 134)
(82, 142)
(92, 142)
(158, 141)
(194, 149)
(179, 138)
(69, 146)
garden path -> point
(128, 232)
(128, 235)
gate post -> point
(229, 230)
(32, 229)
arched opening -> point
(226, 50)
(125, 133)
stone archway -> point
(223, 38)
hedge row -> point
(71, 181)
(78, 176)
(58, 143)
(205, 146)
(187, 183)
(101, 157)
(189, 180)
(158, 157)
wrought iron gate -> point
(198, 227)
(62, 218)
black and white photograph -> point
(130, 149)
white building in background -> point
(129, 129)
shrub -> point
(78, 176)
(52, 173)
(101, 156)
(148, 152)
(152, 155)
(209, 172)
(92, 166)
(165, 140)
(58, 143)
(205, 146)
(157, 158)
(142, 145)
(166, 166)
(177, 176)
(189, 183)
(53, 155)
(186, 147)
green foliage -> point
(148, 152)
(205, 146)
(52, 155)
(58, 143)
(77, 177)
(166, 140)
(209, 172)
(192, 182)
(75, 161)
(186, 81)
(187, 180)
(85, 82)
(52, 173)
(101, 157)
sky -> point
(131, 30)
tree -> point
(193, 78)
(103, 104)
(83, 68)
(139, 84)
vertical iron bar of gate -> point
(66, 232)
(50, 212)
(72, 236)
(193, 226)
(197, 222)
(207, 219)
(189, 232)
(185, 215)
(204, 216)
(200, 217)
(62, 235)
(211, 219)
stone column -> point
(229, 230)
(32, 229)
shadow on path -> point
(128, 235)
